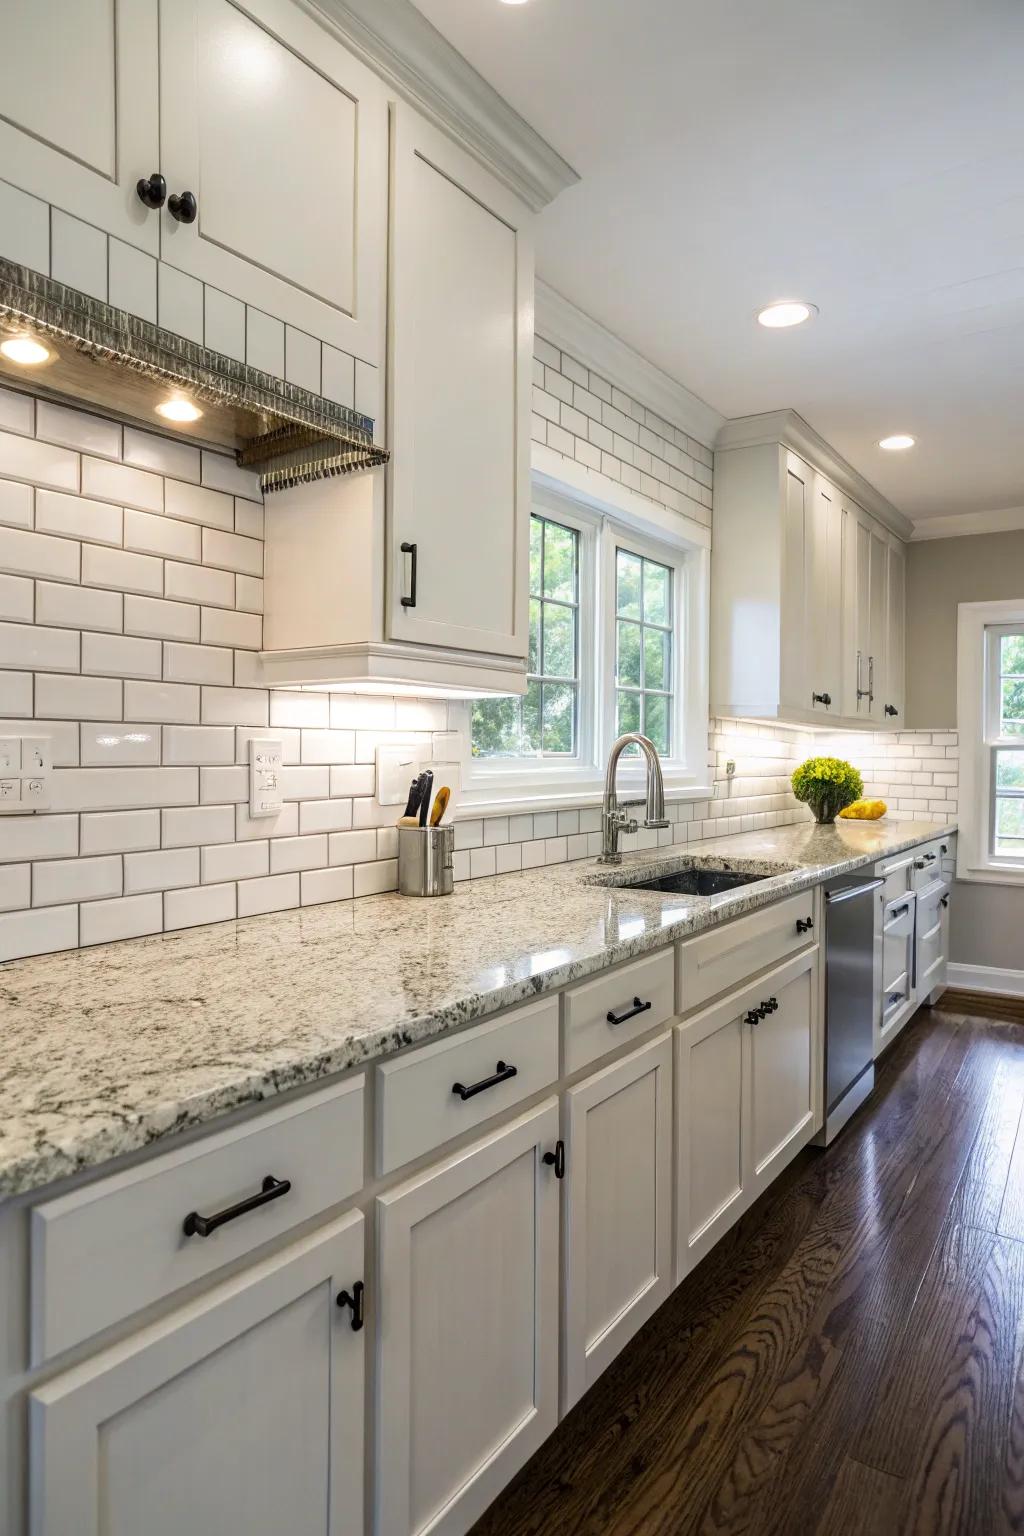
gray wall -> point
(988, 921)
(941, 573)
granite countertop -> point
(109, 1049)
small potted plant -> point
(827, 784)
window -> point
(546, 721)
(990, 717)
(617, 642)
(1005, 653)
(643, 648)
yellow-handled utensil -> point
(440, 805)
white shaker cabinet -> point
(467, 1342)
(280, 134)
(822, 541)
(746, 1070)
(80, 125)
(618, 1209)
(460, 357)
(893, 708)
(867, 574)
(242, 1411)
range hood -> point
(108, 358)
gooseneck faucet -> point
(613, 818)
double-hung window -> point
(617, 643)
(990, 717)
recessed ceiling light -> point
(898, 441)
(513, 2)
(786, 312)
(178, 410)
(24, 350)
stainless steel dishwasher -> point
(849, 999)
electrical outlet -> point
(10, 754)
(10, 792)
(35, 792)
(265, 759)
(397, 765)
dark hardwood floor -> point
(850, 1359)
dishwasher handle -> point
(833, 898)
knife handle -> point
(440, 805)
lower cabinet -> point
(747, 1072)
(897, 979)
(242, 1411)
(618, 1209)
(932, 941)
(467, 1342)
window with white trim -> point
(990, 718)
(1005, 693)
(617, 642)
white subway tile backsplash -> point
(119, 831)
(161, 619)
(121, 483)
(62, 880)
(15, 693)
(351, 847)
(37, 554)
(199, 904)
(162, 455)
(198, 584)
(15, 879)
(370, 879)
(206, 745)
(123, 571)
(25, 222)
(264, 342)
(325, 815)
(154, 534)
(250, 518)
(38, 932)
(180, 303)
(127, 917)
(16, 503)
(352, 779)
(219, 627)
(320, 885)
(225, 324)
(197, 664)
(38, 837)
(78, 607)
(105, 745)
(108, 789)
(290, 853)
(198, 504)
(302, 359)
(339, 379)
(306, 782)
(217, 785)
(222, 474)
(299, 709)
(328, 746)
(185, 826)
(17, 599)
(232, 551)
(69, 697)
(120, 656)
(78, 429)
(160, 871)
(234, 861)
(284, 824)
(272, 894)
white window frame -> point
(607, 516)
(980, 626)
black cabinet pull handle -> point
(353, 1299)
(926, 858)
(944, 848)
(944, 900)
(754, 1016)
(152, 190)
(556, 1159)
(822, 698)
(891, 709)
(183, 207)
(630, 1013)
(894, 997)
(804, 924)
(195, 1225)
(771, 1006)
(502, 1073)
(410, 601)
(899, 911)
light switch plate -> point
(398, 764)
(26, 766)
(265, 759)
(10, 755)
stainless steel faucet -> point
(613, 818)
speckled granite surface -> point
(107, 1050)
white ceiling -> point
(866, 156)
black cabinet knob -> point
(754, 1016)
(891, 709)
(183, 207)
(152, 190)
(822, 698)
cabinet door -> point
(783, 1062)
(281, 134)
(895, 652)
(932, 931)
(467, 1381)
(896, 1001)
(460, 339)
(824, 600)
(241, 1412)
(618, 1209)
(866, 610)
(79, 124)
(798, 488)
(711, 1066)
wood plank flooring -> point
(850, 1359)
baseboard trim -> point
(986, 978)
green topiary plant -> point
(827, 784)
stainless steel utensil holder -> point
(426, 860)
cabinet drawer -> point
(725, 957)
(897, 954)
(897, 874)
(927, 865)
(931, 939)
(102, 1253)
(639, 995)
(497, 1065)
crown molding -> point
(790, 429)
(569, 329)
(1001, 520)
(399, 43)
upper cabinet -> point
(80, 110)
(280, 135)
(807, 591)
(460, 352)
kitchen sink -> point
(698, 882)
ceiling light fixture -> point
(178, 410)
(782, 313)
(513, 2)
(24, 350)
(896, 442)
